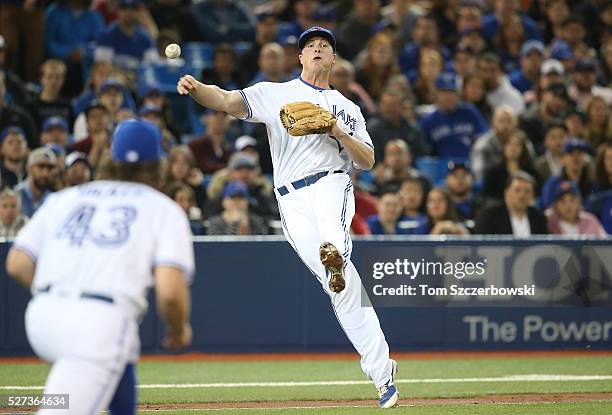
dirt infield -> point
(489, 399)
(273, 357)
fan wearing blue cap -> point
(531, 58)
(575, 167)
(453, 126)
(585, 84)
(54, 131)
(312, 186)
(566, 216)
(236, 219)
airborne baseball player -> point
(315, 135)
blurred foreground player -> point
(88, 255)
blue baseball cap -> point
(149, 109)
(55, 122)
(576, 144)
(446, 81)
(111, 83)
(150, 91)
(455, 165)
(236, 188)
(129, 3)
(564, 187)
(265, 14)
(242, 160)
(325, 13)
(11, 129)
(317, 31)
(136, 141)
(531, 46)
(585, 65)
(561, 50)
(57, 149)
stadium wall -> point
(254, 295)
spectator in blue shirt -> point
(69, 29)
(504, 10)
(34, 190)
(126, 43)
(526, 78)
(386, 222)
(223, 21)
(453, 126)
(601, 206)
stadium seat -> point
(162, 75)
(198, 55)
(435, 168)
(242, 47)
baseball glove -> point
(303, 118)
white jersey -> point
(296, 157)
(105, 237)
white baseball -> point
(173, 51)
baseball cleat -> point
(333, 262)
(387, 393)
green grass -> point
(586, 408)
(216, 372)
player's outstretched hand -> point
(178, 341)
(186, 85)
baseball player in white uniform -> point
(314, 191)
(89, 256)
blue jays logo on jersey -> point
(349, 121)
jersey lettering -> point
(77, 227)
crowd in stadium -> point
(487, 117)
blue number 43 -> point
(77, 227)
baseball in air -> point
(173, 51)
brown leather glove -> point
(303, 118)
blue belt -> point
(306, 181)
(88, 295)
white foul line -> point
(509, 378)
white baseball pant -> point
(89, 342)
(322, 212)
